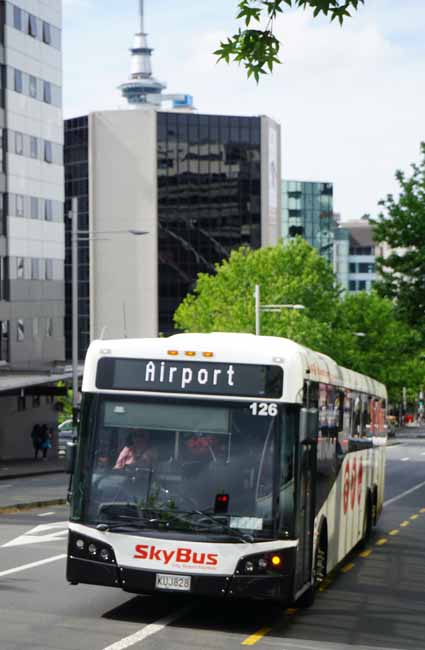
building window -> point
(20, 332)
(19, 143)
(47, 92)
(4, 344)
(352, 285)
(362, 285)
(49, 269)
(366, 267)
(34, 207)
(33, 86)
(20, 205)
(353, 267)
(32, 26)
(17, 18)
(48, 153)
(48, 210)
(19, 85)
(33, 147)
(49, 330)
(47, 34)
(35, 401)
(35, 269)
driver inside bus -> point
(137, 451)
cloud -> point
(350, 101)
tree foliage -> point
(371, 338)
(258, 48)
(290, 274)
(330, 322)
(402, 227)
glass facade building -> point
(77, 185)
(209, 202)
(307, 211)
(209, 189)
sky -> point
(350, 100)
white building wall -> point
(123, 196)
(271, 183)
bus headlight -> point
(86, 548)
(262, 564)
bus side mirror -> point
(309, 426)
(70, 457)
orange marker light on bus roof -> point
(208, 355)
(173, 353)
(276, 560)
(190, 353)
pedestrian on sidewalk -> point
(46, 440)
(36, 439)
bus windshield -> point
(188, 465)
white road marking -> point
(404, 494)
(45, 514)
(403, 459)
(422, 453)
(6, 486)
(41, 533)
(148, 630)
(24, 567)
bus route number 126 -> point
(263, 408)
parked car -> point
(65, 434)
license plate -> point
(173, 582)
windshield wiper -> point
(132, 525)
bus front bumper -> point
(139, 581)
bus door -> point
(306, 475)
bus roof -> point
(298, 362)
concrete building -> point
(355, 253)
(31, 228)
(307, 211)
(200, 185)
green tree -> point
(290, 274)
(402, 226)
(257, 49)
(370, 337)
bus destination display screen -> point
(237, 379)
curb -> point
(32, 505)
(6, 477)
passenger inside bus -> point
(137, 450)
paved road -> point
(33, 488)
(375, 601)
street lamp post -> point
(269, 308)
(76, 236)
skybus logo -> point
(181, 555)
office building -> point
(307, 212)
(355, 253)
(200, 185)
(31, 225)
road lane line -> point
(404, 459)
(381, 541)
(347, 568)
(365, 553)
(422, 510)
(404, 494)
(9, 485)
(24, 567)
(45, 514)
(148, 630)
(251, 640)
(394, 532)
(405, 523)
(414, 516)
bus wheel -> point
(368, 521)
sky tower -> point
(142, 90)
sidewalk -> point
(10, 469)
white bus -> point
(228, 465)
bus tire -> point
(367, 520)
(319, 570)
(374, 506)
